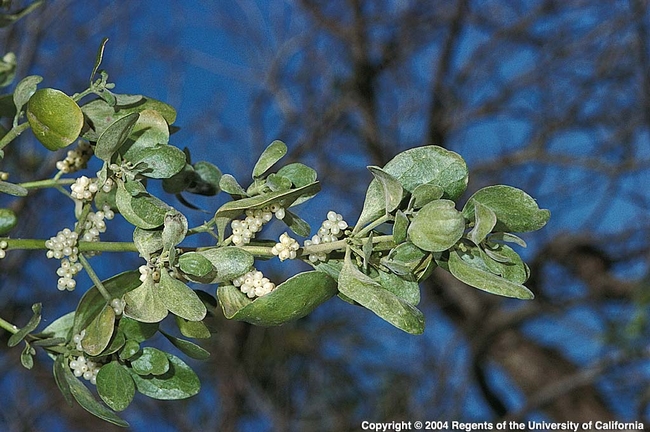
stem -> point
(8, 326)
(35, 244)
(13, 134)
(367, 229)
(93, 277)
(49, 183)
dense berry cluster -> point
(254, 284)
(286, 248)
(84, 188)
(63, 246)
(3, 246)
(243, 230)
(76, 159)
(80, 365)
(330, 231)
(94, 224)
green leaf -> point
(507, 237)
(7, 69)
(55, 118)
(392, 188)
(84, 397)
(206, 179)
(180, 299)
(409, 291)
(12, 189)
(98, 59)
(291, 300)
(129, 350)
(150, 361)
(144, 303)
(299, 174)
(147, 242)
(400, 227)
(195, 264)
(188, 348)
(179, 181)
(364, 290)
(277, 182)
(174, 229)
(193, 329)
(117, 342)
(273, 153)
(99, 332)
(421, 165)
(513, 268)
(27, 356)
(92, 302)
(180, 382)
(425, 193)
(61, 327)
(484, 222)
(296, 224)
(407, 261)
(229, 262)
(25, 89)
(437, 226)
(516, 211)
(58, 371)
(144, 211)
(482, 279)
(115, 386)
(136, 330)
(114, 136)
(8, 220)
(229, 185)
(233, 209)
(31, 325)
(160, 161)
(150, 130)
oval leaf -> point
(99, 332)
(485, 280)
(516, 211)
(115, 386)
(12, 189)
(180, 382)
(422, 165)
(188, 348)
(393, 191)
(150, 361)
(92, 302)
(291, 300)
(55, 118)
(437, 226)
(273, 153)
(484, 221)
(364, 290)
(144, 303)
(8, 220)
(180, 299)
(114, 136)
(229, 262)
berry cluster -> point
(82, 367)
(84, 188)
(118, 306)
(254, 284)
(330, 231)
(243, 230)
(286, 248)
(94, 224)
(3, 246)
(63, 246)
(76, 158)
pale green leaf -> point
(273, 153)
(437, 226)
(115, 386)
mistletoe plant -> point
(409, 225)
